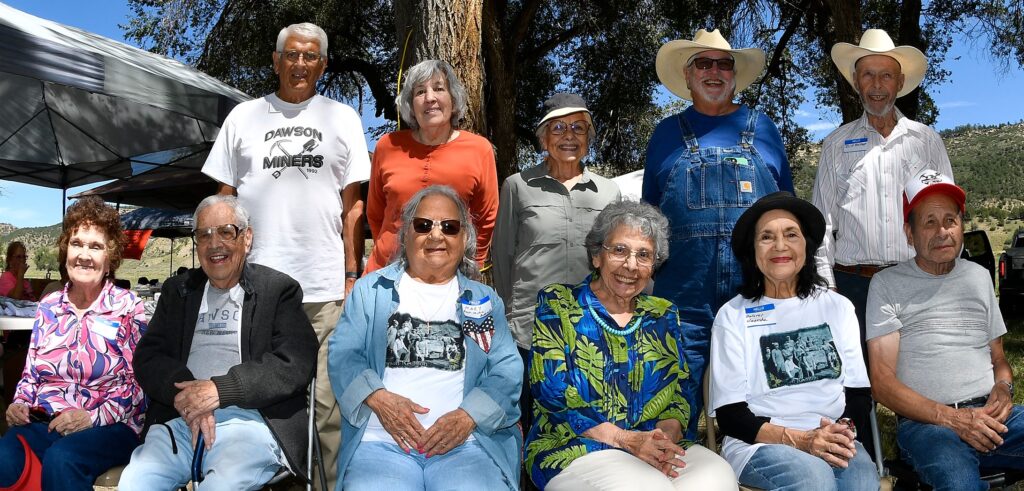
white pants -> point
(612, 470)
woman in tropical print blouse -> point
(605, 372)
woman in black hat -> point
(786, 363)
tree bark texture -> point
(910, 33)
(448, 30)
(841, 22)
(500, 94)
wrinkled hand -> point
(1000, 403)
(977, 428)
(70, 421)
(653, 447)
(196, 398)
(831, 442)
(448, 432)
(205, 424)
(17, 415)
(397, 415)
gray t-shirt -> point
(946, 324)
(215, 344)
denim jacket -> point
(356, 361)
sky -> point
(978, 92)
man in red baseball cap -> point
(935, 349)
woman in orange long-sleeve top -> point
(432, 151)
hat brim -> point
(565, 111)
(956, 193)
(812, 223)
(913, 63)
(673, 55)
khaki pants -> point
(610, 470)
(324, 316)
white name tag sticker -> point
(746, 187)
(106, 329)
(760, 316)
(477, 309)
(855, 145)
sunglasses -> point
(425, 225)
(724, 64)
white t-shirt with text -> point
(289, 163)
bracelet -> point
(1008, 384)
(351, 274)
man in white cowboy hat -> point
(937, 357)
(865, 163)
(705, 166)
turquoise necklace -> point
(629, 329)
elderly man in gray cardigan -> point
(225, 365)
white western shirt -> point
(859, 190)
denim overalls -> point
(706, 192)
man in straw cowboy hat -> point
(705, 166)
(865, 163)
(936, 347)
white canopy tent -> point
(80, 108)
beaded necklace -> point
(629, 329)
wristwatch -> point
(351, 274)
(1008, 384)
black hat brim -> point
(812, 223)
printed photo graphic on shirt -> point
(293, 147)
(415, 343)
(801, 356)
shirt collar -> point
(101, 306)
(540, 171)
(901, 127)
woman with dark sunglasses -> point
(544, 213)
(423, 365)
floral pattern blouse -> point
(86, 362)
(582, 376)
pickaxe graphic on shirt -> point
(305, 148)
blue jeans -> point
(245, 455)
(70, 462)
(944, 461)
(784, 468)
(383, 466)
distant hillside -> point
(987, 162)
(6, 228)
(156, 261)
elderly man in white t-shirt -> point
(935, 336)
(296, 159)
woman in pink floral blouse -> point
(78, 408)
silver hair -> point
(639, 216)
(419, 74)
(305, 30)
(241, 214)
(468, 266)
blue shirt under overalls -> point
(703, 172)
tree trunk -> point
(842, 23)
(448, 30)
(910, 33)
(501, 93)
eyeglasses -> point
(621, 253)
(293, 56)
(577, 127)
(724, 64)
(425, 225)
(225, 233)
